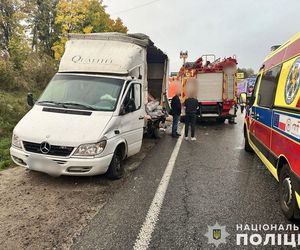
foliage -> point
(247, 72)
(83, 16)
(38, 69)
(118, 26)
(18, 49)
(7, 81)
(43, 28)
(12, 108)
(11, 16)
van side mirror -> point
(30, 100)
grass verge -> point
(13, 106)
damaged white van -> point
(91, 116)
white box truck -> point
(91, 116)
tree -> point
(83, 16)
(12, 31)
(118, 26)
(247, 72)
(43, 28)
(11, 15)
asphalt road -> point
(213, 180)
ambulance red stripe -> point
(292, 50)
(282, 145)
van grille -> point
(54, 150)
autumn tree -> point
(83, 16)
(118, 26)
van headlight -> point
(91, 149)
(16, 141)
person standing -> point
(175, 112)
(191, 108)
(242, 101)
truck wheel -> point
(247, 147)
(288, 201)
(116, 167)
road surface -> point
(212, 180)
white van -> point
(91, 115)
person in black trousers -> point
(175, 112)
(191, 108)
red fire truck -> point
(214, 83)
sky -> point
(243, 28)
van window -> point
(268, 87)
(82, 92)
(135, 93)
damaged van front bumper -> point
(57, 166)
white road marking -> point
(144, 237)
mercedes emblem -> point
(45, 147)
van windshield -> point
(82, 92)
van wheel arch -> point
(287, 199)
(122, 150)
(281, 162)
(116, 168)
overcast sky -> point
(245, 28)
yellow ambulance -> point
(272, 122)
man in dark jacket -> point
(176, 112)
(191, 109)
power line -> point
(134, 8)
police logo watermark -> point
(216, 234)
(292, 83)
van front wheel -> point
(116, 167)
(288, 201)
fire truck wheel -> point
(288, 201)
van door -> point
(262, 112)
(132, 117)
(251, 101)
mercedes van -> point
(272, 123)
(91, 116)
